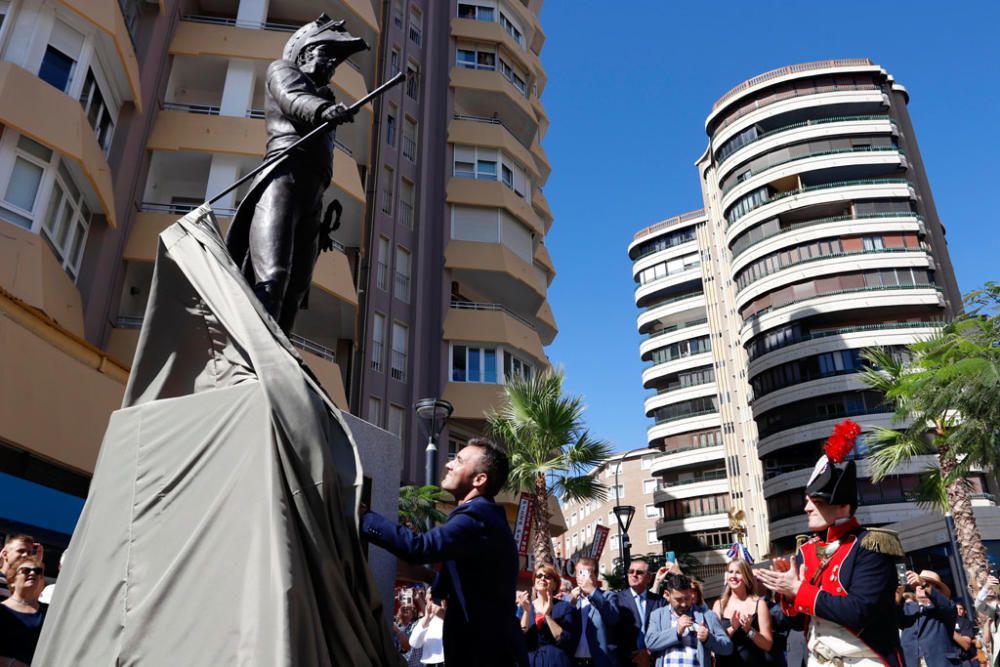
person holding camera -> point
(636, 603)
(598, 618)
(928, 622)
(987, 606)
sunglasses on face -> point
(30, 570)
(542, 575)
(639, 572)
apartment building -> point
(118, 117)
(818, 238)
(629, 480)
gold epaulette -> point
(800, 540)
(882, 541)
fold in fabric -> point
(220, 527)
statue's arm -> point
(294, 93)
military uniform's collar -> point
(838, 530)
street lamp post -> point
(624, 514)
(434, 412)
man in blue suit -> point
(680, 635)
(635, 605)
(479, 573)
(928, 623)
(598, 618)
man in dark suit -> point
(928, 623)
(598, 618)
(635, 604)
(479, 573)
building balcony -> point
(649, 292)
(541, 205)
(797, 480)
(821, 267)
(544, 260)
(672, 334)
(493, 323)
(681, 309)
(666, 368)
(58, 390)
(834, 384)
(495, 194)
(687, 458)
(491, 32)
(814, 429)
(837, 191)
(843, 300)
(691, 523)
(667, 226)
(497, 273)
(827, 227)
(484, 93)
(473, 401)
(799, 132)
(709, 485)
(491, 133)
(545, 324)
(541, 160)
(679, 394)
(63, 127)
(861, 99)
(847, 163)
(698, 421)
(872, 335)
(654, 258)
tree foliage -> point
(418, 506)
(946, 395)
(549, 446)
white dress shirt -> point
(429, 638)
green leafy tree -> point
(418, 506)
(947, 400)
(549, 447)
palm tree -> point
(550, 449)
(418, 506)
(948, 395)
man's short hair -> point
(20, 537)
(677, 582)
(588, 562)
(494, 463)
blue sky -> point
(630, 84)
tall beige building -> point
(818, 238)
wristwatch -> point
(751, 633)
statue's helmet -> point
(323, 30)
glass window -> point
(57, 68)
(400, 345)
(378, 341)
(23, 185)
(648, 485)
(651, 511)
(98, 113)
(375, 411)
(458, 364)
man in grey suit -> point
(680, 637)
(598, 618)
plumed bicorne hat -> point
(324, 30)
(834, 479)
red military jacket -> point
(853, 586)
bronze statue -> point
(275, 234)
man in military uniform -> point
(274, 236)
(842, 588)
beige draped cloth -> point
(220, 527)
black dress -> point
(745, 652)
(19, 632)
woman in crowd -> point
(749, 620)
(548, 623)
(22, 614)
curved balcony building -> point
(816, 193)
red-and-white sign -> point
(522, 529)
(600, 539)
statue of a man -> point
(274, 235)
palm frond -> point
(890, 449)
(932, 491)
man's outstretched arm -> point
(462, 534)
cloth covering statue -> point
(275, 234)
